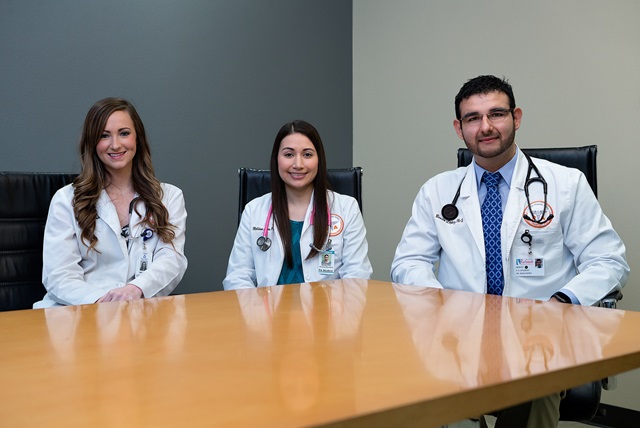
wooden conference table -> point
(340, 353)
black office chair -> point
(582, 158)
(24, 204)
(257, 182)
(581, 403)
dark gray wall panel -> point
(212, 80)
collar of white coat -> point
(107, 212)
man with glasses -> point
(481, 228)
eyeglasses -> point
(494, 116)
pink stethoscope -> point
(264, 242)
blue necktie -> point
(491, 221)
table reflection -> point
(300, 332)
(117, 325)
(475, 339)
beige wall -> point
(575, 69)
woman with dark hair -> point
(116, 232)
(284, 236)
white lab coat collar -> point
(107, 213)
(469, 207)
(520, 171)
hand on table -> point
(128, 292)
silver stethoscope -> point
(450, 212)
(126, 229)
(264, 242)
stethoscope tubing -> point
(450, 212)
(126, 233)
(527, 183)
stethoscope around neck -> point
(450, 212)
(126, 229)
(264, 242)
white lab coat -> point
(580, 250)
(250, 266)
(73, 276)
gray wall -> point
(212, 80)
(574, 66)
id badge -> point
(326, 263)
(529, 267)
(142, 262)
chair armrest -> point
(611, 300)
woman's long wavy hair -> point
(320, 187)
(94, 177)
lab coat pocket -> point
(538, 256)
(538, 242)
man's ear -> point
(517, 117)
(457, 125)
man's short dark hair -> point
(484, 85)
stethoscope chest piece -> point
(264, 243)
(449, 212)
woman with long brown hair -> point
(301, 231)
(116, 232)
